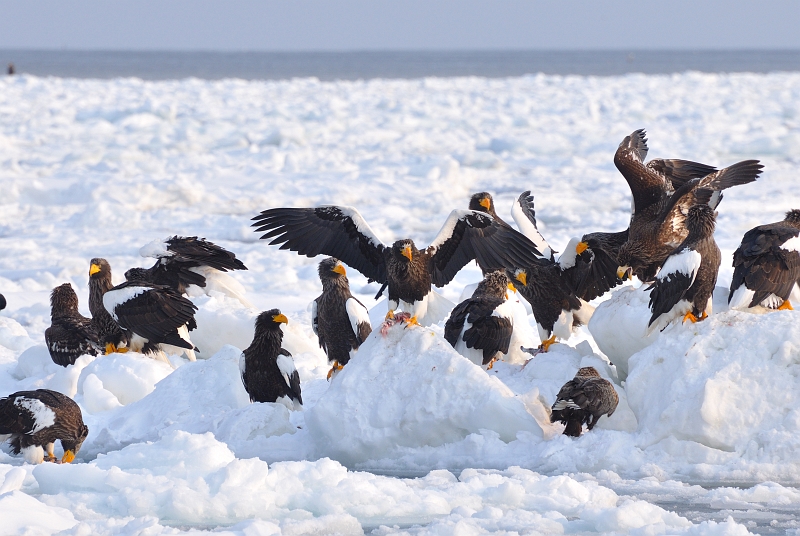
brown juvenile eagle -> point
(663, 191)
(34, 420)
(268, 371)
(340, 321)
(583, 400)
(342, 233)
(766, 265)
(70, 334)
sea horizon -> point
(398, 64)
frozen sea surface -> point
(704, 441)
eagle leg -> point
(412, 322)
(786, 306)
(689, 316)
(491, 363)
(335, 368)
(546, 344)
(111, 349)
(390, 315)
(51, 456)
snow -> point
(99, 167)
(156, 249)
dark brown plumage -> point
(766, 265)
(663, 191)
(268, 371)
(180, 260)
(480, 327)
(36, 419)
(593, 270)
(340, 321)
(684, 285)
(583, 400)
(109, 334)
(70, 334)
(152, 314)
(342, 233)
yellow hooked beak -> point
(68, 457)
(93, 269)
(581, 247)
(407, 252)
(522, 277)
(280, 319)
(485, 203)
(624, 272)
(511, 286)
(339, 269)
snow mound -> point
(128, 377)
(407, 389)
(731, 383)
(196, 397)
(13, 336)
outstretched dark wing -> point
(468, 235)
(647, 186)
(595, 270)
(766, 262)
(677, 172)
(707, 190)
(525, 217)
(154, 312)
(339, 232)
(199, 252)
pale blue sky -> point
(399, 25)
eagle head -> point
(494, 284)
(136, 274)
(404, 249)
(482, 202)
(99, 269)
(63, 299)
(631, 259)
(270, 321)
(587, 372)
(701, 219)
(72, 445)
(331, 270)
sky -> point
(305, 25)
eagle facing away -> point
(583, 400)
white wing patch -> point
(42, 415)
(686, 262)
(505, 310)
(793, 244)
(564, 404)
(287, 368)
(156, 249)
(567, 259)
(449, 225)
(114, 298)
(242, 366)
(360, 223)
(357, 314)
(530, 231)
(314, 317)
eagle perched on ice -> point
(685, 284)
(153, 315)
(340, 321)
(268, 371)
(663, 191)
(583, 400)
(186, 261)
(342, 232)
(110, 336)
(70, 334)
(34, 420)
(766, 265)
(480, 327)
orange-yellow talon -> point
(786, 306)
(694, 319)
(389, 315)
(412, 321)
(491, 364)
(546, 344)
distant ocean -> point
(388, 64)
